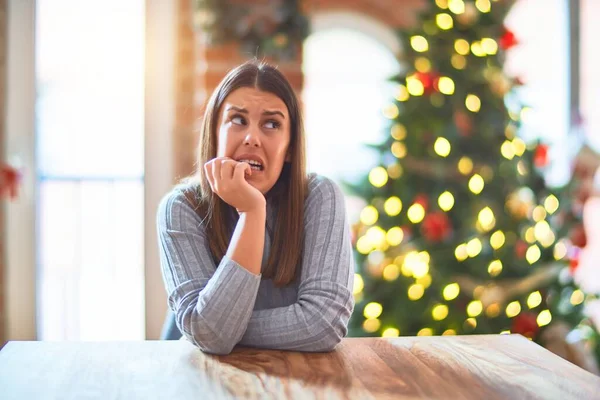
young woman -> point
(253, 250)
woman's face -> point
(255, 126)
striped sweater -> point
(220, 306)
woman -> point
(253, 250)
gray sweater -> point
(219, 306)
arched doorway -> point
(347, 61)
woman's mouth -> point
(255, 165)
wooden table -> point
(467, 367)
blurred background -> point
(101, 101)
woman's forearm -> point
(248, 240)
(212, 302)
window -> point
(541, 60)
(89, 152)
(345, 91)
(590, 67)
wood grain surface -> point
(460, 367)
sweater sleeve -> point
(212, 305)
(318, 320)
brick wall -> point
(200, 68)
(185, 112)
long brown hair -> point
(287, 195)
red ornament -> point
(508, 39)
(525, 324)
(540, 158)
(436, 226)
(578, 236)
(422, 200)
(573, 253)
(463, 123)
(573, 264)
(429, 81)
(520, 249)
(9, 181)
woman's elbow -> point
(207, 340)
(330, 337)
(329, 344)
(211, 345)
(217, 350)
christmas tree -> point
(461, 234)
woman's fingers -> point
(241, 169)
(227, 167)
(221, 172)
(231, 184)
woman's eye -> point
(272, 124)
(238, 120)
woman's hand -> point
(227, 178)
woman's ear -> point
(288, 156)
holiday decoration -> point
(525, 324)
(508, 39)
(520, 202)
(422, 200)
(427, 79)
(9, 181)
(578, 236)
(520, 249)
(271, 28)
(540, 158)
(480, 243)
(573, 264)
(436, 227)
(469, 16)
(463, 123)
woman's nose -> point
(252, 138)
